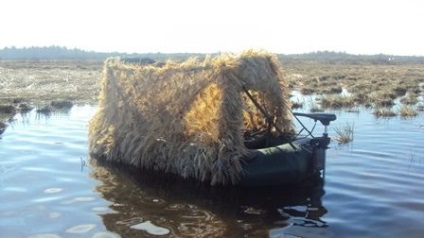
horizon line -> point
(206, 53)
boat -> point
(279, 161)
(223, 120)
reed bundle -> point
(188, 118)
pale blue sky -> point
(207, 26)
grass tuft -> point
(384, 112)
(407, 112)
(344, 133)
(410, 99)
(337, 102)
(296, 105)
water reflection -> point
(373, 188)
(37, 115)
(171, 206)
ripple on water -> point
(54, 215)
(373, 188)
(81, 229)
(150, 228)
(78, 199)
(106, 235)
(44, 236)
(53, 190)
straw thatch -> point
(188, 118)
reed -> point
(344, 133)
(188, 118)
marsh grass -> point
(7, 109)
(383, 98)
(6, 113)
(331, 89)
(410, 99)
(384, 112)
(4, 117)
(23, 107)
(400, 90)
(362, 98)
(337, 101)
(314, 106)
(297, 105)
(308, 90)
(45, 110)
(407, 112)
(344, 133)
(2, 127)
(62, 104)
(45, 81)
(369, 84)
(49, 84)
(38, 82)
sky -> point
(209, 26)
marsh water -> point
(373, 187)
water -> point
(49, 188)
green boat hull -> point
(283, 164)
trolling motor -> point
(319, 144)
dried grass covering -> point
(188, 118)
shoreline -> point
(39, 83)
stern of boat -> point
(319, 145)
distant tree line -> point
(344, 58)
(51, 52)
(40, 52)
(57, 52)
